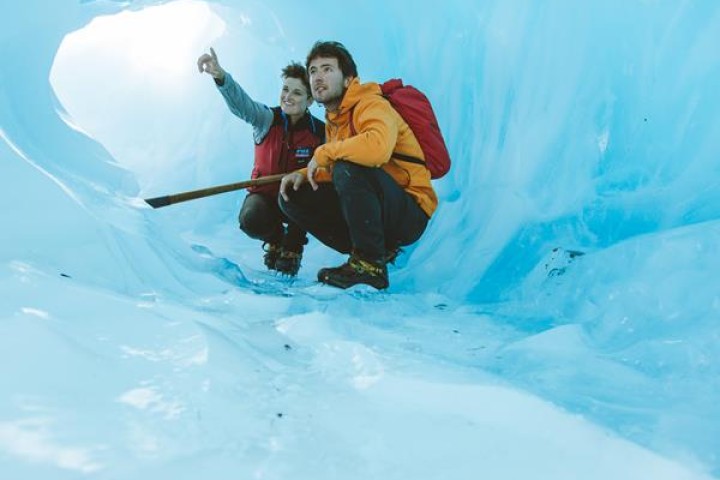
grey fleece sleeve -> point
(255, 113)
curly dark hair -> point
(336, 50)
(296, 70)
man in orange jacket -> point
(354, 195)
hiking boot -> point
(355, 271)
(272, 253)
(288, 263)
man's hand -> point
(292, 180)
(312, 167)
(209, 63)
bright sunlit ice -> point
(128, 79)
(151, 42)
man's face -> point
(327, 81)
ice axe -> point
(159, 202)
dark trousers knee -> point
(260, 218)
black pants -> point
(261, 218)
(362, 210)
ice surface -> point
(559, 318)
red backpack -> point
(414, 107)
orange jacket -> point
(380, 132)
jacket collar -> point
(355, 92)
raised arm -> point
(255, 113)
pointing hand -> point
(209, 63)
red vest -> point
(286, 148)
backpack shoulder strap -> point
(353, 132)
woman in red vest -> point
(285, 140)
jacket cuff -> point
(226, 81)
(322, 156)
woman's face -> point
(294, 97)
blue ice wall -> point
(572, 125)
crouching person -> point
(356, 196)
(285, 137)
